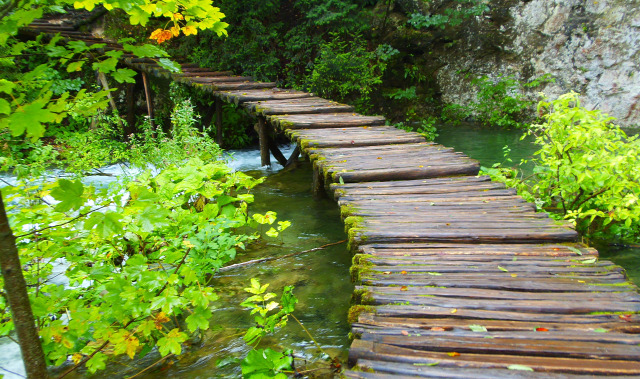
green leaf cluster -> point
(451, 16)
(137, 258)
(587, 170)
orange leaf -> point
(404, 332)
(542, 330)
(453, 354)
(437, 329)
(404, 288)
(403, 272)
(625, 317)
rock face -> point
(589, 46)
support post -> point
(218, 121)
(318, 182)
(263, 135)
(105, 86)
(294, 156)
(147, 94)
(277, 154)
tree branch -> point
(81, 215)
(233, 266)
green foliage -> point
(128, 287)
(587, 170)
(454, 15)
(269, 314)
(426, 127)
(275, 40)
(346, 71)
(499, 102)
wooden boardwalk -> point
(457, 276)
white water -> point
(11, 364)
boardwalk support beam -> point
(263, 135)
(318, 181)
(147, 94)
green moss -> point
(354, 336)
(358, 271)
(361, 296)
(353, 222)
(338, 192)
(347, 210)
(356, 310)
(361, 259)
(284, 124)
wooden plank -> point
(536, 235)
(307, 105)
(227, 86)
(582, 306)
(369, 320)
(242, 96)
(393, 173)
(533, 283)
(510, 346)
(416, 370)
(382, 352)
(318, 121)
(213, 80)
(558, 335)
(454, 249)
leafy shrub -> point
(452, 16)
(137, 263)
(586, 170)
(346, 71)
(502, 102)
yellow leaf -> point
(175, 30)
(454, 310)
(132, 345)
(66, 343)
(189, 30)
(76, 358)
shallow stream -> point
(321, 278)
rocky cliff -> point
(589, 46)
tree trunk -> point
(16, 290)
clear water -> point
(486, 145)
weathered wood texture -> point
(457, 276)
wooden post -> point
(147, 94)
(294, 156)
(277, 154)
(263, 135)
(131, 108)
(218, 121)
(318, 182)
